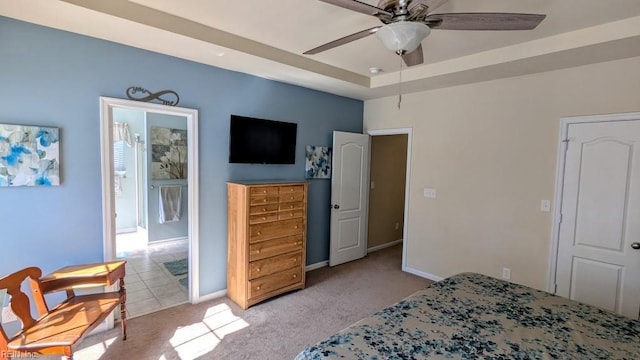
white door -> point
(349, 197)
(598, 256)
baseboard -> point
(212, 296)
(126, 231)
(164, 241)
(317, 265)
(322, 264)
(383, 246)
(422, 274)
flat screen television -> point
(260, 141)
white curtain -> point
(121, 133)
(121, 136)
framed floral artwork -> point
(168, 153)
(318, 162)
(29, 155)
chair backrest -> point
(19, 302)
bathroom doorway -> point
(149, 197)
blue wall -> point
(172, 229)
(54, 78)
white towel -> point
(170, 203)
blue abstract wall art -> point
(29, 156)
(318, 163)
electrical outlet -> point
(8, 315)
(397, 225)
(506, 273)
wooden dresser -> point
(267, 231)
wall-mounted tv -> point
(260, 141)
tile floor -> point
(150, 286)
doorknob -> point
(336, 206)
(635, 246)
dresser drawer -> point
(269, 248)
(260, 218)
(263, 190)
(290, 197)
(291, 214)
(274, 264)
(263, 199)
(270, 230)
(269, 283)
(291, 205)
(290, 189)
(261, 209)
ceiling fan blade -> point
(484, 21)
(359, 7)
(342, 41)
(415, 57)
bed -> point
(472, 316)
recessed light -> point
(375, 70)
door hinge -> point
(560, 218)
(555, 289)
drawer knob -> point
(291, 214)
(291, 207)
(257, 287)
(295, 260)
(264, 218)
(295, 227)
(264, 209)
(257, 269)
(291, 198)
(292, 189)
(295, 276)
(259, 233)
(264, 200)
(258, 251)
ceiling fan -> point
(407, 22)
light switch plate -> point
(430, 193)
(545, 205)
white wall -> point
(490, 150)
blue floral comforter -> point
(472, 316)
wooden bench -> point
(58, 330)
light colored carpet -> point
(276, 329)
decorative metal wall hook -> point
(148, 96)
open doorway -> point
(389, 188)
(149, 163)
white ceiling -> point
(267, 38)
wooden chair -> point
(57, 330)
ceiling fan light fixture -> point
(403, 36)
